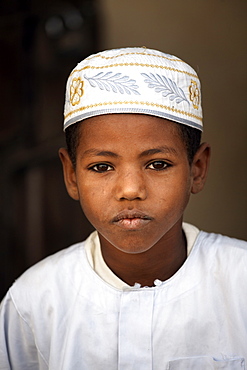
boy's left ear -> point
(200, 167)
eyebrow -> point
(99, 153)
(107, 153)
(161, 149)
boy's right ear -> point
(69, 174)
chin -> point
(134, 247)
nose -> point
(130, 186)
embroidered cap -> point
(133, 80)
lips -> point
(132, 220)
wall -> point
(211, 36)
(41, 41)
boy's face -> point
(132, 178)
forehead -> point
(128, 129)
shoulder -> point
(54, 266)
(55, 278)
(221, 243)
(227, 256)
(213, 243)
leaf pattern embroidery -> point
(113, 82)
(166, 86)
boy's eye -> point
(101, 167)
(158, 165)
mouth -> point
(131, 220)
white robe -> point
(61, 314)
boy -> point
(144, 291)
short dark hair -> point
(190, 136)
(192, 139)
(72, 136)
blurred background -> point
(41, 41)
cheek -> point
(93, 201)
(183, 195)
(175, 195)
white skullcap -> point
(134, 80)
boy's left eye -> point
(158, 165)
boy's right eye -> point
(101, 167)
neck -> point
(159, 262)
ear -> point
(200, 167)
(69, 174)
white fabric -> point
(61, 315)
(95, 258)
(133, 80)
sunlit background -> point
(41, 41)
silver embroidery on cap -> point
(114, 82)
(166, 86)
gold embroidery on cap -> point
(170, 57)
(194, 94)
(134, 65)
(76, 91)
(133, 102)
